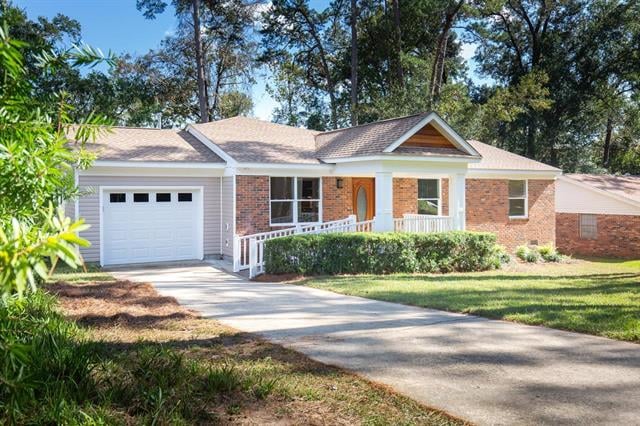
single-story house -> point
(598, 215)
(158, 195)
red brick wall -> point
(618, 236)
(405, 196)
(337, 203)
(252, 204)
(487, 209)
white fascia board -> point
(211, 145)
(443, 128)
(159, 164)
(418, 169)
(101, 168)
(513, 174)
(600, 191)
(397, 157)
(275, 169)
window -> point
(185, 197)
(295, 200)
(429, 196)
(141, 197)
(518, 198)
(118, 198)
(163, 197)
(588, 226)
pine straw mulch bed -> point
(123, 314)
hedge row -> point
(370, 253)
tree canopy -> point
(555, 80)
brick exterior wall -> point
(252, 204)
(617, 236)
(487, 209)
(487, 206)
(337, 203)
(405, 196)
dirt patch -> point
(282, 278)
(123, 314)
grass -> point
(598, 296)
(158, 363)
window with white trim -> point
(429, 196)
(294, 200)
(588, 226)
(518, 195)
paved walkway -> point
(486, 371)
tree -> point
(227, 55)
(37, 164)
(291, 29)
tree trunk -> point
(606, 154)
(397, 32)
(202, 92)
(354, 63)
(531, 139)
(437, 72)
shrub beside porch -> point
(381, 253)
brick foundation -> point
(487, 208)
(617, 236)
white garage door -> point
(157, 225)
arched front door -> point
(363, 198)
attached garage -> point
(151, 224)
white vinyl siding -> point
(573, 198)
(90, 206)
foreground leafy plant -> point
(39, 151)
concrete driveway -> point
(485, 371)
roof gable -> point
(440, 132)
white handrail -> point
(242, 244)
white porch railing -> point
(423, 223)
(249, 249)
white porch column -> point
(457, 201)
(384, 202)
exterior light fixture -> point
(339, 183)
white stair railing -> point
(248, 250)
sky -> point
(118, 26)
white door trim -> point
(199, 219)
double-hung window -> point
(294, 200)
(429, 196)
(518, 194)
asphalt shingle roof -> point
(625, 186)
(251, 140)
(495, 158)
(141, 144)
(365, 139)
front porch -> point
(384, 201)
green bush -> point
(371, 253)
(527, 254)
(549, 254)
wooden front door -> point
(364, 198)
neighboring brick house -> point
(156, 195)
(598, 215)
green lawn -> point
(599, 297)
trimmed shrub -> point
(371, 253)
(549, 254)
